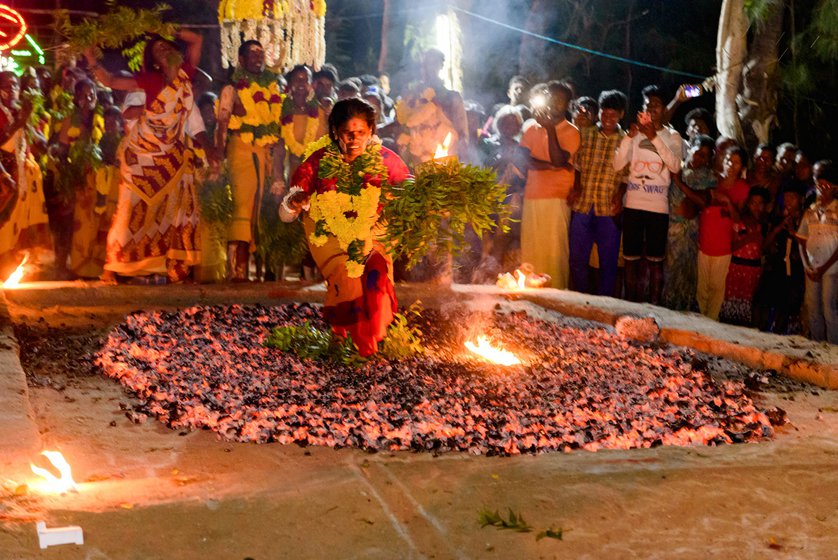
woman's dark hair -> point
(295, 69)
(703, 115)
(148, 58)
(82, 83)
(350, 109)
(703, 141)
(766, 148)
(761, 192)
(741, 152)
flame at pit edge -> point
(14, 279)
(485, 350)
(54, 484)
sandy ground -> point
(149, 492)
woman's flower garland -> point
(350, 211)
(262, 101)
(96, 132)
(312, 125)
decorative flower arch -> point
(292, 31)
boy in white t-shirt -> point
(653, 151)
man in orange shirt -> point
(552, 142)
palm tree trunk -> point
(731, 51)
(758, 104)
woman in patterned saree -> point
(337, 190)
(154, 229)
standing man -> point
(653, 152)
(249, 110)
(594, 199)
(552, 142)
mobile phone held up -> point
(692, 90)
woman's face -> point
(86, 97)
(353, 137)
(756, 205)
(763, 160)
(700, 156)
(733, 165)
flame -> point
(442, 149)
(485, 350)
(17, 275)
(55, 484)
(521, 280)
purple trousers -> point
(585, 230)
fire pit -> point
(576, 388)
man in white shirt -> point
(653, 151)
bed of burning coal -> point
(581, 386)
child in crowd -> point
(682, 247)
(818, 237)
(746, 260)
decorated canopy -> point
(292, 31)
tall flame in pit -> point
(485, 350)
(16, 276)
(55, 484)
(442, 149)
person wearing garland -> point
(338, 192)
(248, 122)
(77, 159)
(302, 121)
(155, 227)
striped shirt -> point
(599, 179)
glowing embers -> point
(50, 483)
(14, 279)
(495, 355)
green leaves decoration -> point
(215, 197)
(310, 343)
(121, 25)
(433, 210)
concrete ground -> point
(149, 492)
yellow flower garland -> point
(291, 143)
(332, 207)
(262, 113)
(96, 134)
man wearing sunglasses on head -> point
(652, 151)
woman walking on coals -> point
(337, 190)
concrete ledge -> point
(20, 441)
(793, 356)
